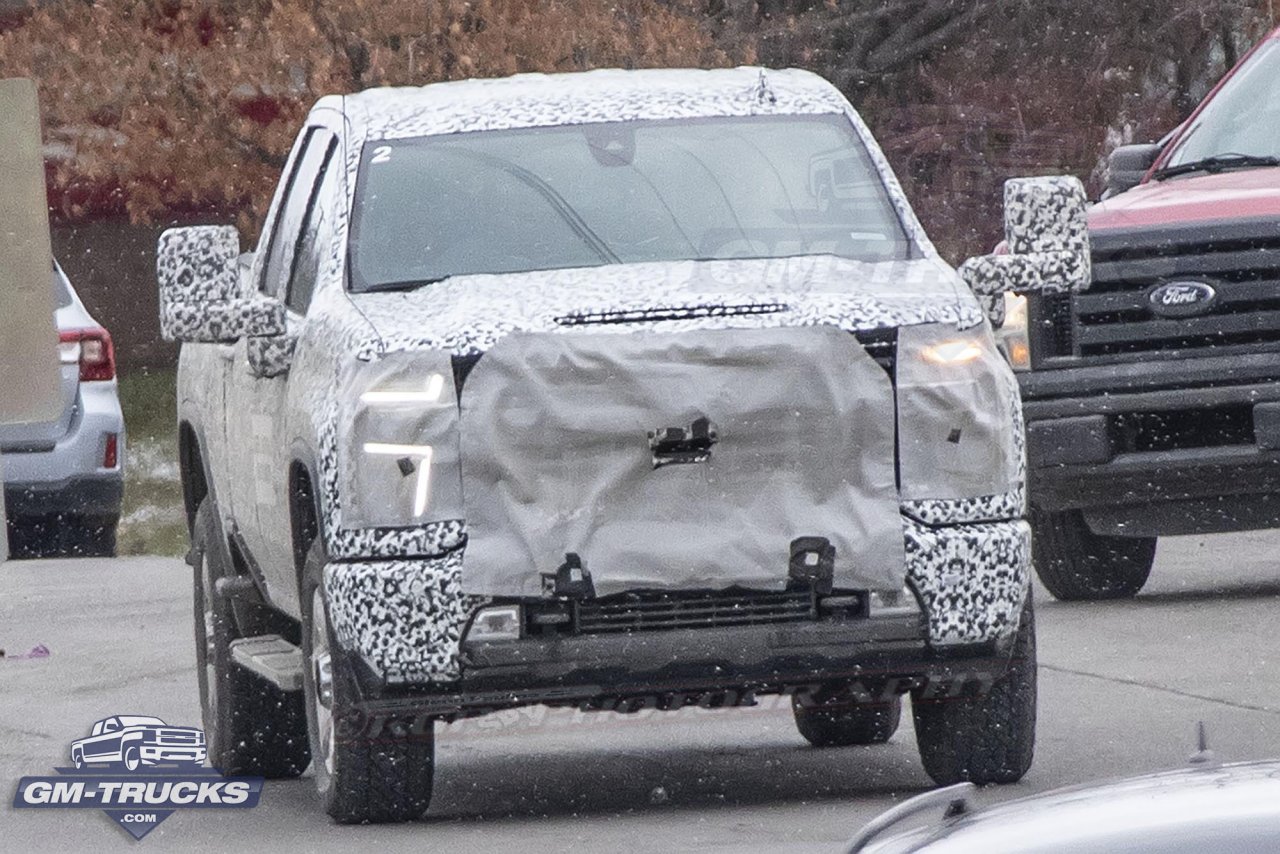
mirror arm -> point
(221, 321)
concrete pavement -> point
(1122, 685)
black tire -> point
(841, 721)
(1075, 564)
(132, 759)
(987, 733)
(364, 774)
(251, 726)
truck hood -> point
(469, 314)
(1241, 194)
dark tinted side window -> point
(293, 209)
(317, 233)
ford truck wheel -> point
(987, 733)
(1076, 564)
(251, 726)
(839, 721)
(366, 770)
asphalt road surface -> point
(1121, 687)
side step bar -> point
(271, 657)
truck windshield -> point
(1240, 121)
(586, 195)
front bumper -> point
(688, 667)
(406, 620)
(1079, 459)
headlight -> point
(413, 459)
(958, 351)
(405, 393)
(398, 442)
(1012, 335)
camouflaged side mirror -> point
(202, 298)
(1047, 234)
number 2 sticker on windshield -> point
(381, 154)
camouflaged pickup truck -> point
(615, 390)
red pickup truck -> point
(1152, 399)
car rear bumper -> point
(92, 496)
(70, 476)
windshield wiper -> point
(405, 285)
(1217, 163)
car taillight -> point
(92, 349)
(111, 453)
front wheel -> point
(1074, 563)
(251, 726)
(839, 720)
(366, 771)
(132, 759)
(986, 733)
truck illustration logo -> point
(138, 770)
(134, 741)
(1181, 299)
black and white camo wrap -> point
(405, 618)
(200, 291)
(1047, 234)
(973, 578)
(271, 356)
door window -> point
(293, 209)
(316, 234)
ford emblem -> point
(1181, 299)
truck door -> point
(254, 404)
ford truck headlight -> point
(1012, 335)
(398, 443)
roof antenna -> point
(1203, 757)
(764, 92)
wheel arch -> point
(306, 513)
(193, 469)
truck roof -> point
(535, 100)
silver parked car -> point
(1210, 807)
(64, 479)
